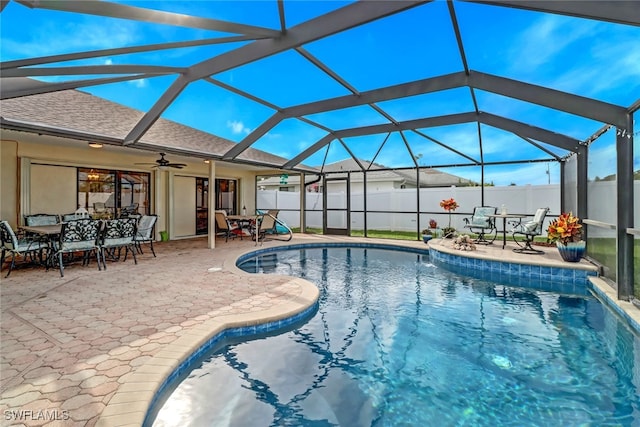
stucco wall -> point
(32, 177)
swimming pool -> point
(399, 341)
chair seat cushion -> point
(480, 221)
(78, 246)
(29, 245)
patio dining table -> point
(43, 230)
(504, 217)
(245, 221)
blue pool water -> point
(397, 341)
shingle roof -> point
(73, 112)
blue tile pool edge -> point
(614, 306)
(213, 341)
(389, 246)
(540, 277)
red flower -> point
(449, 205)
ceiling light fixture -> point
(207, 161)
(95, 145)
(93, 176)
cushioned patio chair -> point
(80, 235)
(225, 227)
(38, 220)
(266, 225)
(118, 234)
(24, 248)
(144, 232)
(41, 219)
(482, 224)
(529, 229)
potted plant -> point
(566, 233)
(426, 235)
(449, 205)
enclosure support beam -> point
(583, 166)
(303, 203)
(563, 192)
(624, 182)
(364, 202)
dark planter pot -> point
(572, 251)
(426, 237)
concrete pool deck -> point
(92, 348)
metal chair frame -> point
(118, 234)
(144, 232)
(80, 235)
(25, 248)
(482, 224)
(530, 230)
(225, 226)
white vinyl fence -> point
(395, 209)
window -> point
(107, 191)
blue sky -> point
(584, 57)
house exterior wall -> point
(38, 175)
(9, 181)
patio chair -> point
(130, 210)
(21, 247)
(80, 235)
(78, 214)
(144, 232)
(118, 234)
(99, 207)
(101, 211)
(225, 227)
(482, 224)
(530, 230)
(266, 225)
(41, 219)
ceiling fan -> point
(162, 163)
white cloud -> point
(545, 40)
(238, 127)
(55, 38)
(140, 83)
